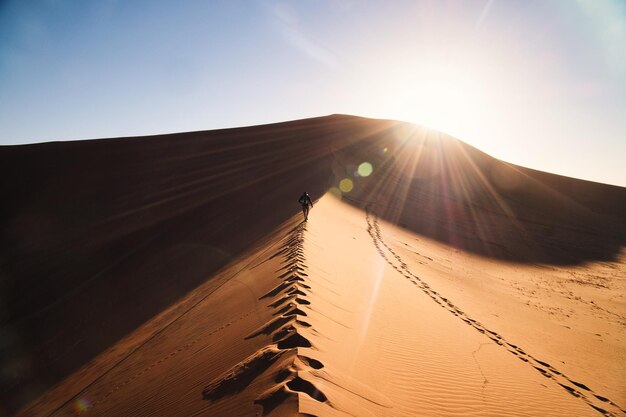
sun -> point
(445, 99)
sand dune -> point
(171, 275)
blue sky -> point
(540, 83)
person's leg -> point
(306, 212)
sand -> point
(440, 292)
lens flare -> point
(81, 405)
(346, 185)
(336, 192)
(365, 169)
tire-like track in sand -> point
(146, 342)
(148, 368)
(599, 403)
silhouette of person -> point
(305, 200)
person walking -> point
(305, 201)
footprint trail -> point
(599, 403)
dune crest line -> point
(286, 355)
(599, 403)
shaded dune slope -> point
(98, 236)
(442, 188)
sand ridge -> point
(286, 330)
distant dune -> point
(171, 275)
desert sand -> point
(173, 275)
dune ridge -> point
(286, 332)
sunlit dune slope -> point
(99, 236)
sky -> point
(538, 83)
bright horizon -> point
(535, 83)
